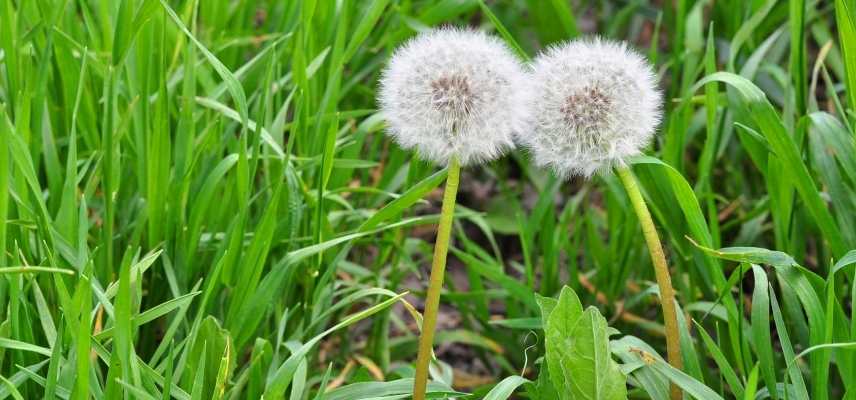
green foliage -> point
(577, 351)
(197, 200)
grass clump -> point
(197, 200)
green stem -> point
(661, 270)
(438, 268)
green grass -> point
(197, 201)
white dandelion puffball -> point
(454, 92)
(595, 103)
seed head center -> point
(587, 108)
(452, 94)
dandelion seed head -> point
(454, 92)
(595, 104)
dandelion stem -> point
(661, 270)
(438, 268)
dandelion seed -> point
(454, 92)
(596, 103)
(457, 97)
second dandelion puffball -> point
(454, 92)
(596, 103)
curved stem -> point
(435, 284)
(661, 270)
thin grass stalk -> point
(661, 271)
(4, 184)
(435, 284)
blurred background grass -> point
(208, 190)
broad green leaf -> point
(578, 355)
(589, 367)
(558, 342)
(547, 305)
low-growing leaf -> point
(577, 351)
(589, 367)
(558, 341)
(504, 389)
